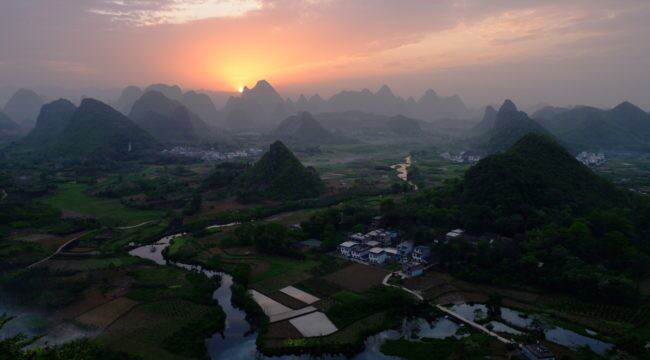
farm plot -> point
(295, 293)
(268, 305)
(72, 197)
(314, 324)
(357, 277)
(102, 316)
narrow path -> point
(135, 226)
(57, 250)
(473, 324)
(385, 282)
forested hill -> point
(533, 174)
(97, 130)
(279, 175)
(303, 129)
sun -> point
(240, 89)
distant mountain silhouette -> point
(129, 96)
(167, 120)
(303, 129)
(9, 130)
(262, 105)
(279, 175)
(487, 123)
(548, 112)
(266, 107)
(510, 125)
(173, 92)
(384, 102)
(201, 105)
(625, 127)
(23, 108)
(240, 121)
(404, 126)
(96, 130)
(6, 124)
(53, 119)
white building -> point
(412, 269)
(373, 243)
(391, 254)
(421, 254)
(360, 251)
(345, 248)
(377, 255)
(358, 238)
(404, 250)
(455, 234)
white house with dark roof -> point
(391, 254)
(421, 254)
(345, 248)
(377, 255)
(454, 234)
(358, 237)
(412, 269)
(360, 251)
(404, 250)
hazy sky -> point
(559, 51)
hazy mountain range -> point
(265, 106)
(173, 116)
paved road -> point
(385, 282)
(57, 250)
(473, 324)
(135, 226)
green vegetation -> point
(45, 288)
(73, 197)
(15, 348)
(189, 340)
(350, 307)
(476, 346)
(574, 232)
(159, 283)
(279, 175)
(98, 131)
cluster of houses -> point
(379, 247)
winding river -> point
(237, 342)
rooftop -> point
(348, 244)
(392, 251)
(377, 250)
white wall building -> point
(345, 248)
(377, 255)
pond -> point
(31, 323)
(552, 332)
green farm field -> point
(72, 197)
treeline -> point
(600, 254)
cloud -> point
(158, 12)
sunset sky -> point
(563, 52)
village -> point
(381, 247)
